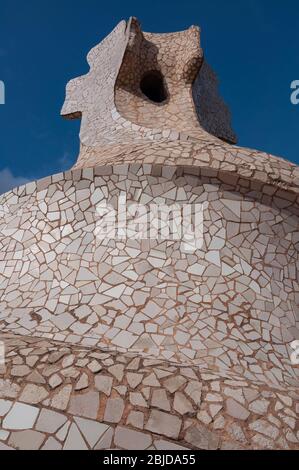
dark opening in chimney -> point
(152, 86)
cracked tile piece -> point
(5, 406)
(94, 367)
(36, 378)
(20, 417)
(60, 399)
(194, 390)
(134, 364)
(136, 399)
(151, 381)
(259, 407)
(174, 383)
(201, 438)
(117, 371)
(91, 430)
(20, 371)
(250, 394)
(124, 339)
(62, 433)
(67, 361)
(285, 399)
(3, 435)
(214, 409)
(114, 410)
(204, 417)
(70, 372)
(33, 394)
(74, 440)
(56, 356)
(131, 440)
(105, 441)
(55, 380)
(103, 383)
(263, 427)
(236, 410)
(136, 419)
(160, 400)
(52, 444)
(82, 383)
(237, 433)
(85, 405)
(163, 423)
(121, 389)
(134, 379)
(262, 443)
(181, 404)
(50, 421)
(26, 440)
(8, 389)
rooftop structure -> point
(128, 340)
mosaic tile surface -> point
(114, 343)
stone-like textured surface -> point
(119, 340)
(89, 418)
(162, 423)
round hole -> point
(152, 86)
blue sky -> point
(251, 44)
